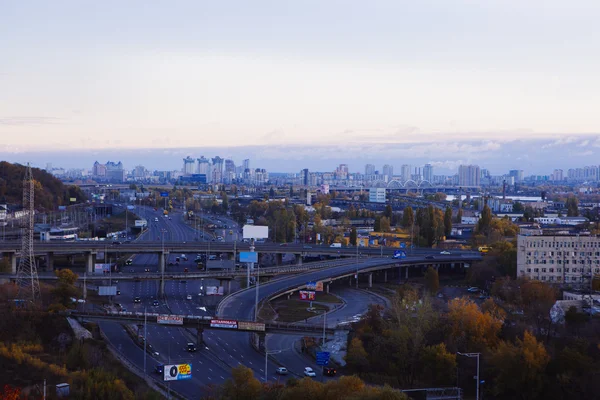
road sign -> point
(169, 320)
(177, 372)
(311, 286)
(223, 323)
(164, 194)
(322, 358)
(248, 256)
(251, 326)
(107, 290)
(307, 295)
(402, 245)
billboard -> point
(248, 257)
(256, 232)
(177, 372)
(319, 287)
(72, 199)
(311, 286)
(141, 223)
(307, 295)
(223, 323)
(164, 194)
(62, 208)
(101, 268)
(169, 320)
(399, 254)
(215, 291)
(107, 290)
(251, 326)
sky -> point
(124, 76)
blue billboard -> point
(248, 256)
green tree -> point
(408, 217)
(271, 193)
(518, 207)
(448, 221)
(357, 356)
(439, 365)
(291, 191)
(388, 213)
(459, 215)
(353, 236)
(572, 206)
(384, 224)
(65, 288)
(485, 221)
(225, 202)
(377, 226)
(432, 281)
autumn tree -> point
(242, 385)
(448, 221)
(572, 206)
(459, 215)
(65, 288)
(470, 328)
(353, 237)
(432, 281)
(439, 365)
(357, 356)
(485, 221)
(519, 369)
(408, 217)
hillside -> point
(49, 191)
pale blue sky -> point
(128, 74)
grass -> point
(296, 310)
(323, 297)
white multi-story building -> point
(558, 259)
(405, 172)
(377, 195)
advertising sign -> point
(215, 290)
(107, 290)
(101, 268)
(62, 208)
(399, 254)
(307, 295)
(177, 372)
(248, 257)
(319, 287)
(311, 286)
(169, 320)
(402, 245)
(255, 232)
(72, 199)
(223, 323)
(140, 223)
(251, 326)
(164, 194)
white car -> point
(445, 252)
(189, 297)
(281, 371)
(473, 289)
(308, 371)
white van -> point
(336, 245)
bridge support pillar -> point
(50, 261)
(199, 337)
(298, 259)
(228, 286)
(385, 276)
(161, 262)
(90, 260)
(371, 280)
(329, 284)
(279, 259)
(71, 260)
(406, 273)
(12, 260)
(161, 288)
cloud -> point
(584, 143)
(560, 142)
(22, 121)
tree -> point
(519, 369)
(408, 217)
(432, 281)
(377, 226)
(384, 224)
(459, 215)
(242, 385)
(572, 206)
(291, 191)
(65, 288)
(448, 221)
(518, 207)
(271, 193)
(225, 202)
(353, 236)
(470, 328)
(388, 213)
(485, 221)
(357, 356)
(439, 365)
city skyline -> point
(103, 76)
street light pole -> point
(145, 339)
(473, 355)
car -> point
(483, 297)
(129, 262)
(183, 281)
(440, 295)
(137, 300)
(189, 297)
(445, 252)
(159, 369)
(156, 219)
(283, 244)
(185, 270)
(130, 270)
(118, 292)
(191, 347)
(147, 270)
(176, 259)
(473, 289)
(116, 242)
(171, 263)
(328, 371)
(281, 371)
(308, 371)
(155, 303)
(429, 257)
(169, 218)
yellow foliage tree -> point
(470, 328)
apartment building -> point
(565, 259)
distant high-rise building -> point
(557, 175)
(517, 174)
(388, 170)
(189, 166)
(246, 164)
(405, 172)
(229, 171)
(204, 166)
(304, 177)
(369, 169)
(469, 175)
(428, 173)
(99, 170)
(217, 170)
(139, 172)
